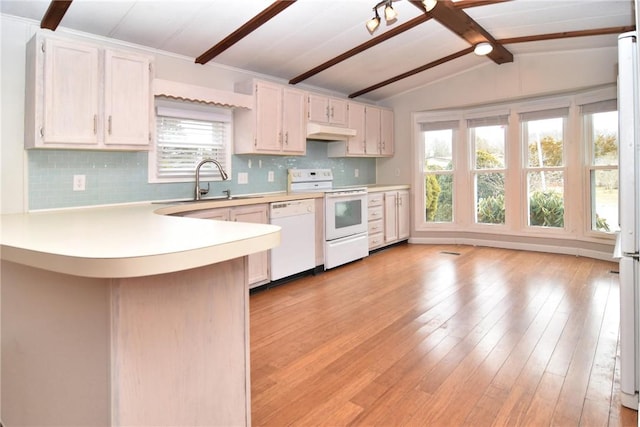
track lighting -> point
(429, 4)
(374, 22)
(483, 48)
(390, 14)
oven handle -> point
(352, 194)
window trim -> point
(574, 169)
(189, 110)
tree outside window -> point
(438, 170)
(601, 133)
(488, 141)
(544, 166)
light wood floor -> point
(415, 335)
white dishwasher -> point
(297, 250)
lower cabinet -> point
(258, 268)
(376, 220)
(396, 215)
(389, 217)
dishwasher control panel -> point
(292, 208)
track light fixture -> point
(374, 22)
(390, 14)
(429, 4)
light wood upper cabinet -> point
(127, 95)
(71, 93)
(293, 121)
(386, 132)
(372, 130)
(80, 95)
(277, 122)
(374, 133)
(356, 144)
(327, 110)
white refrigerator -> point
(628, 245)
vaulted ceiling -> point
(324, 43)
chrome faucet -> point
(199, 191)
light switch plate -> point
(271, 176)
(243, 178)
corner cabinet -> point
(85, 96)
(374, 133)
(258, 263)
(277, 122)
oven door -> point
(345, 213)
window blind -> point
(440, 125)
(183, 142)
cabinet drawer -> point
(375, 212)
(375, 199)
(376, 226)
(376, 240)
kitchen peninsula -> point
(123, 316)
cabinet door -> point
(293, 121)
(219, 214)
(318, 108)
(372, 133)
(356, 120)
(268, 109)
(338, 112)
(390, 216)
(71, 93)
(404, 215)
(386, 132)
(127, 99)
(258, 262)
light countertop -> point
(138, 239)
(126, 241)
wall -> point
(529, 76)
(42, 179)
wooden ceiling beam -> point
(246, 29)
(364, 46)
(54, 14)
(569, 34)
(386, 36)
(512, 40)
(412, 72)
(457, 21)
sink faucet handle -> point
(204, 191)
(228, 193)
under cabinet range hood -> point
(329, 133)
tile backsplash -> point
(121, 177)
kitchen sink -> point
(208, 199)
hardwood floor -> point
(441, 335)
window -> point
(438, 169)
(185, 135)
(543, 148)
(487, 138)
(600, 121)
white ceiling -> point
(310, 32)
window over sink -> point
(187, 133)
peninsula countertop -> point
(126, 241)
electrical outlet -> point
(271, 176)
(243, 178)
(79, 182)
(356, 173)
